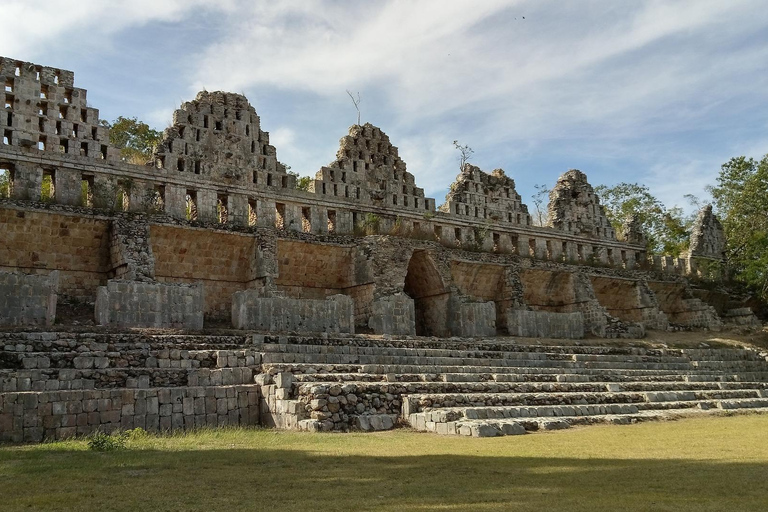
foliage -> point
(102, 442)
(741, 203)
(135, 139)
(5, 184)
(368, 226)
(465, 153)
(667, 230)
(302, 182)
(541, 194)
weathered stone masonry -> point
(213, 231)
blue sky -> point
(655, 92)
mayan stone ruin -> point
(205, 289)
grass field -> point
(708, 464)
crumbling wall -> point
(678, 303)
(251, 310)
(575, 208)
(369, 171)
(130, 252)
(484, 196)
(28, 299)
(137, 304)
(44, 111)
(629, 300)
(707, 235)
(218, 137)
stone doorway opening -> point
(425, 286)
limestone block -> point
(393, 315)
(251, 310)
(140, 304)
(28, 299)
(545, 324)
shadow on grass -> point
(263, 479)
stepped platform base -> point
(55, 385)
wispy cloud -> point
(657, 92)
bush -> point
(102, 442)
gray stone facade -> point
(545, 324)
(251, 310)
(28, 299)
(136, 304)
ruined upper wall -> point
(481, 195)
(575, 208)
(218, 137)
(369, 171)
(707, 235)
(44, 111)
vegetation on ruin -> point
(667, 230)
(135, 139)
(741, 203)
(703, 464)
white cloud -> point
(31, 25)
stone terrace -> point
(56, 385)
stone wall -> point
(39, 242)
(251, 310)
(545, 324)
(32, 417)
(28, 299)
(473, 319)
(224, 262)
(393, 315)
(137, 304)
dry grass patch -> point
(708, 464)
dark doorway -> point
(425, 286)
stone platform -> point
(55, 385)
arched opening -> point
(425, 286)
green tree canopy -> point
(741, 203)
(135, 139)
(667, 230)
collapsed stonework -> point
(213, 232)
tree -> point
(135, 139)
(667, 230)
(465, 153)
(302, 182)
(741, 202)
(356, 103)
(541, 194)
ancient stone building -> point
(213, 232)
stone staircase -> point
(55, 385)
(494, 387)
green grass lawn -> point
(702, 464)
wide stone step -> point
(520, 425)
(276, 358)
(481, 354)
(431, 401)
(53, 379)
(438, 381)
(516, 374)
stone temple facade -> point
(212, 231)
